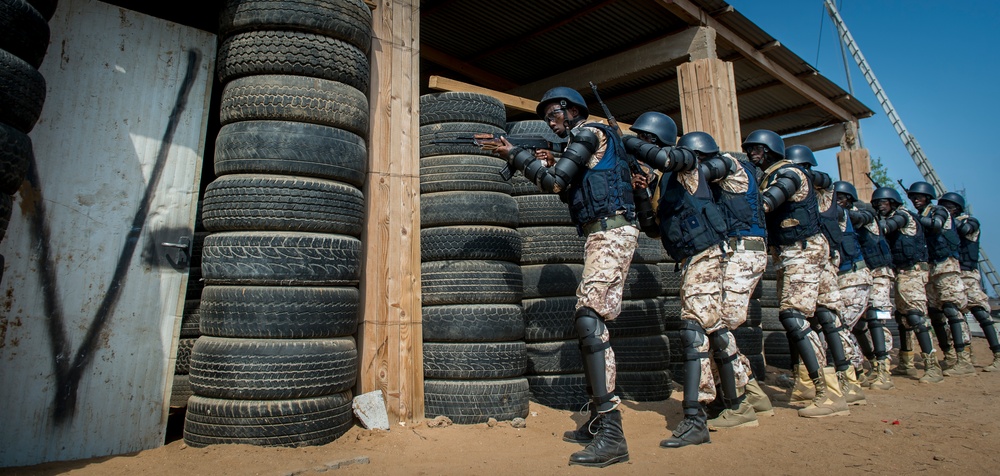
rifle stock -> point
(490, 142)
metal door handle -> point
(184, 257)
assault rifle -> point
(490, 142)
(642, 197)
(873, 181)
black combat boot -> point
(692, 430)
(585, 433)
(608, 445)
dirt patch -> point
(948, 428)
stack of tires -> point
(190, 320)
(277, 359)
(776, 352)
(473, 328)
(24, 38)
(552, 263)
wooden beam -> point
(820, 139)
(516, 103)
(694, 15)
(750, 122)
(768, 46)
(708, 100)
(390, 337)
(853, 165)
(481, 76)
(658, 54)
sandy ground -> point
(948, 428)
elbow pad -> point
(820, 180)
(558, 177)
(860, 218)
(664, 159)
(893, 223)
(932, 223)
(969, 225)
(717, 168)
(784, 186)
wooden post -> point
(390, 337)
(853, 165)
(708, 101)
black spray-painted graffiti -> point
(70, 365)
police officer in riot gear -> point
(792, 216)
(878, 260)
(734, 186)
(946, 296)
(829, 308)
(905, 235)
(968, 258)
(593, 178)
(693, 231)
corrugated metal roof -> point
(524, 41)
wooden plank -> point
(478, 74)
(516, 103)
(658, 54)
(390, 337)
(92, 307)
(853, 165)
(707, 94)
(820, 139)
(693, 14)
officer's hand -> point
(503, 150)
(546, 157)
(639, 181)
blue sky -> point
(939, 66)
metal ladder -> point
(921, 160)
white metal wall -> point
(85, 370)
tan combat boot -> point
(964, 365)
(758, 399)
(950, 359)
(853, 393)
(829, 399)
(882, 379)
(742, 417)
(995, 366)
(932, 369)
(905, 367)
(804, 392)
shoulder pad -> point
(586, 137)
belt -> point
(749, 245)
(605, 224)
(917, 267)
(858, 265)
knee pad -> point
(917, 321)
(795, 324)
(827, 320)
(861, 327)
(692, 337)
(589, 328)
(952, 313)
(719, 341)
(876, 325)
(982, 316)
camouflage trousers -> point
(829, 289)
(607, 256)
(743, 271)
(799, 271)
(701, 302)
(944, 284)
(974, 290)
(854, 289)
(911, 293)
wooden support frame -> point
(696, 16)
(820, 139)
(853, 165)
(390, 337)
(669, 51)
(511, 101)
(707, 92)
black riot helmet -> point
(700, 142)
(955, 198)
(887, 193)
(922, 188)
(801, 155)
(769, 139)
(846, 188)
(566, 97)
(658, 124)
